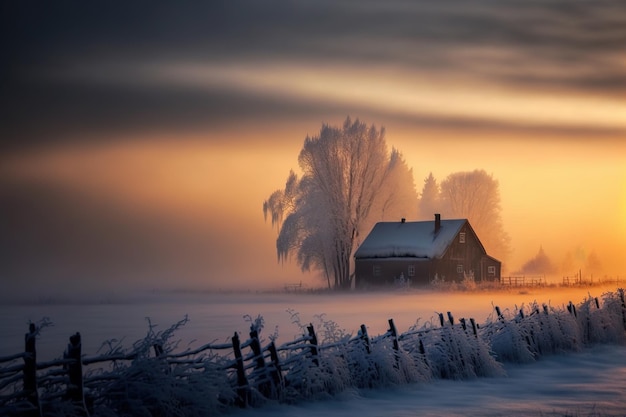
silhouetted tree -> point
(429, 203)
(540, 264)
(579, 260)
(593, 264)
(349, 182)
(475, 195)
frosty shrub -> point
(614, 316)
(166, 385)
(508, 341)
(601, 321)
(542, 330)
(439, 283)
(154, 378)
(452, 353)
(533, 332)
(468, 283)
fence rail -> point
(523, 280)
(251, 371)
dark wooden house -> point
(419, 252)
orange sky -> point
(143, 155)
(561, 195)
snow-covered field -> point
(592, 382)
(589, 383)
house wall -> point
(492, 269)
(464, 256)
(378, 272)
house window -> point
(462, 237)
(376, 270)
(411, 270)
(491, 270)
(459, 269)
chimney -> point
(437, 222)
(403, 220)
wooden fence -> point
(453, 349)
(250, 367)
(523, 280)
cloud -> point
(80, 68)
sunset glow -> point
(161, 153)
(409, 93)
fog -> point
(214, 316)
(139, 158)
(188, 215)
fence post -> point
(422, 351)
(255, 345)
(451, 318)
(313, 341)
(621, 296)
(276, 374)
(158, 349)
(474, 327)
(75, 390)
(394, 335)
(572, 309)
(366, 338)
(394, 338)
(242, 382)
(499, 313)
(30, 370)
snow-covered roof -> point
(409, 239)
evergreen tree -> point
(429, 202)
(540, 264)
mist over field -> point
(215, 316)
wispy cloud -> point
(492, 64)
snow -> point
(592, 380)
(409, 239)
(589, 383)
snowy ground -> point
(589, 383)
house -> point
(422, 251)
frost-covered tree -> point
(475, 195)
(397, 197)
(349, 181)
(282, 201)
(429, 200)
